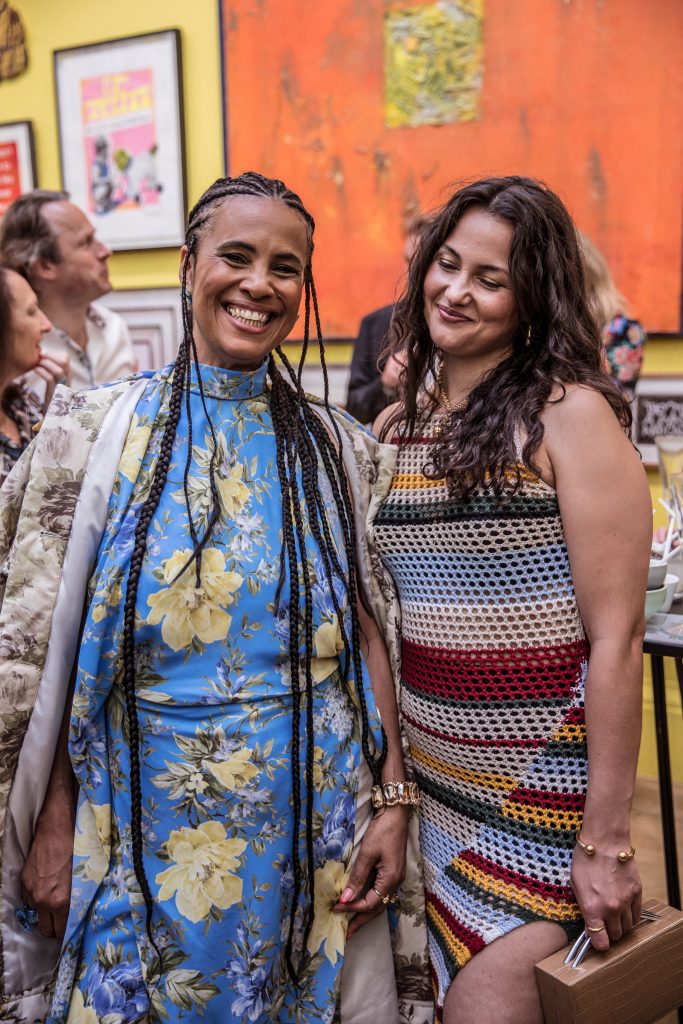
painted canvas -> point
(554, 90)
(433, 63)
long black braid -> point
(302, 442)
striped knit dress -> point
(494, 659)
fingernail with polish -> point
(346, 896)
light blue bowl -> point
(654, 601)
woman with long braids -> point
(517, 529)
(220, 726)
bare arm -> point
(383, 848)
(46, 876)
(606, 513)
(382, 419)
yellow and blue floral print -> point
(214, 706)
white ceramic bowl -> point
(654, 601)
(670, 583)
(656, 573)
(675, 561)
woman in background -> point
(623, 339)
(22, 325)
(517, 529)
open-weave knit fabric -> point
(494, 658)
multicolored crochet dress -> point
(494, 658)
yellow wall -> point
(54, 24)
(662, 358)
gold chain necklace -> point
(440, 427)
(443, 395)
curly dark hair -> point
(304, 448)
(558, 340)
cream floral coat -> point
(53, 509)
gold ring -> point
(594, 930)
(384, 899)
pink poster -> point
(119, 128)
(10, 183)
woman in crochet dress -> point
(517, 529)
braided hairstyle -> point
(303, 443)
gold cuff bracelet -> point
(623, 856)
(392, 793)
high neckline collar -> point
(236, 385)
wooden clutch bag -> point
(637, 981)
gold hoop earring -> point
(528, 335)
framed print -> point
(657, 409)
(17, 161)
(119, 112)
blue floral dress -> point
(215, 708)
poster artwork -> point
(120, 141)
(10, 179)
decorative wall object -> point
(17, 161)
(658, 409)
(121, 137)
(433, 63)
(13, 55)
(154, 319)
(561, 97)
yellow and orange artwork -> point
(433, 63)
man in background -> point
(373, 387)
(52, 244)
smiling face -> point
(469, 304)
(29, 324)
(246, 280)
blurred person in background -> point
(23, 325)
(623, 338)
(50, 242)
(374, 378)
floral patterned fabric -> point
(25, 410)
(214, 702)
(624, 347)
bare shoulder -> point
(583, 438)
(577, 408)
(384, 417)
